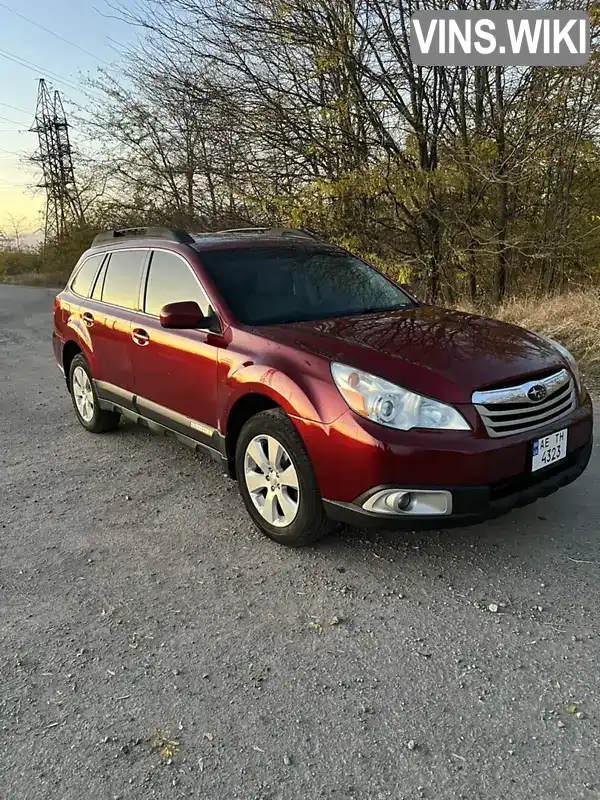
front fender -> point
(309, 395)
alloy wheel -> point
(83, 394)
(271, 480)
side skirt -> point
(163, 421)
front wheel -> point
(277, 481)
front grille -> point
(508, 411)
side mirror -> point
(186, 314)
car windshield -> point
(274, 285)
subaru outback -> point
(328, 391)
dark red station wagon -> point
(328, 391)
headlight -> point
(569, 359)
(391, 405)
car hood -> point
(442, 353)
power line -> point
(12, 121)
(36, 68)
(15, 108)
(13, 152)
(52, 33)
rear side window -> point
(122, 279)
(170, 280)
(83, 279)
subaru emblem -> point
(537, 393)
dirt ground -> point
(154, 645)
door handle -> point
(140, 336)
(88, 319)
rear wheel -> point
(85, 400)
(277, 481)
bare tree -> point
(475, 180)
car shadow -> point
(562, 526)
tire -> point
(90, 415)
(277, 519)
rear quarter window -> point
(82, 282)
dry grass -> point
(54, 280)
(573, 319)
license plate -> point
(549, 450)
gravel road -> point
(154, 645)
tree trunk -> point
(502, 220)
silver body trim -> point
(424, 502)
(114, 389)
(149, 405)
(518, 394)
(560, 400)
(143, 404)
(158, 427)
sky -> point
(87, 24)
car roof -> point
(234, 239)
(247, 242)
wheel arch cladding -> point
(70, 350)
(306, 396)
(242, 410)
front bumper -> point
(352, 455)
(471, 504)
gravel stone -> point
(93, 645)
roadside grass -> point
(52, 279)
(572, 318)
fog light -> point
(410, 502)
(398, 501)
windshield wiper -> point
(330, 315)
(373, 310)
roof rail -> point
(313, 233)
(173, 235)
(227, 231)
(307, 232)
(300, 232)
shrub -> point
(17, 262)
